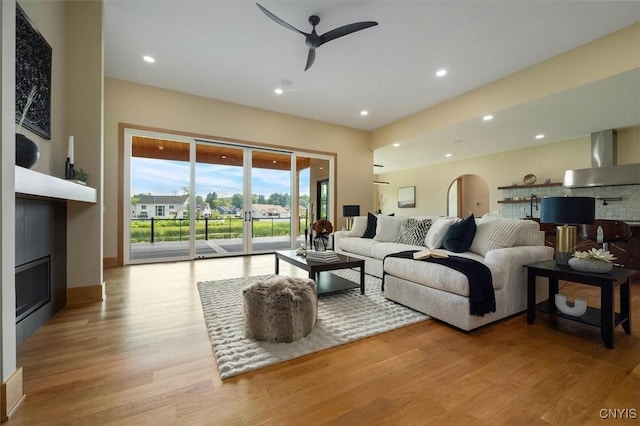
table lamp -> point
(566, 212)
(349, 212)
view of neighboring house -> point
(160, 206)
(263, 211)
(204, 210)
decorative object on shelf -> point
(33, 72)
(81, 175)
(547, 181)
(530, 179)
(406, 197)
(322, 228)
(594, 260)
(27, 152)
(69, 172)
(567, 212)
(349, 212)
(577, 310)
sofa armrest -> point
(337, 236)
(511, 261)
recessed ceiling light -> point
(161, 148)
(223, 156)
(540, 136)
(278, 91)
(448, 155)
(441, 73)
(364, 112)
(488, 117)
(149, 59)
(396, 144)
(274, 161)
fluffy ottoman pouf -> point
(280, 309)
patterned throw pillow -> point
(413, 231)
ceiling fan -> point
(314, 40)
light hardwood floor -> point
(143, 356)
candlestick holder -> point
(69, 172)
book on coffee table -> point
(322, 256)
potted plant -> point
(594, 260)
(322, 229)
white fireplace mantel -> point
(29, 182)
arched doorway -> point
(468, 194)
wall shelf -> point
(538, 185)
(527, 200)
(29, 182)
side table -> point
(605, 318)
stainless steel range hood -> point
(604, 171)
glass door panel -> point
(219, 192)
(271, 208)
(159, 205)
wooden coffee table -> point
(319, 271)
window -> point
(143, 207)
(171, 207)
(160, 211)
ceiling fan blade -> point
(280, 21)
(344, 30)
(311, 57)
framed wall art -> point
(406, 197)
(33, 74)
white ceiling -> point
(229, 50)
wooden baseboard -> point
(87, 294)
(110, 262)
(11, 395)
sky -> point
(168, 177)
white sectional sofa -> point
(503, 245)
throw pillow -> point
(434, 236)
(388, 228)
(413, 231)
(372, 223)
(494, 234)
(359, 226)
(460, 235)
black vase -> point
(26, 151)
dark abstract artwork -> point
(33, 70)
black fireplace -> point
(41, 262)
(33, 286)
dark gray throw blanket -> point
(482, 299)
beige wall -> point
(163, 109)
(544, 161)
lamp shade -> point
(351, 210)
(568, 210)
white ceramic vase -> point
(588, 265)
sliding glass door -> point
(196, 199)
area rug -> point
(342, 317)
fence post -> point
(206, 228)
(152, 232)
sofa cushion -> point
(494, 234)
(359, 246)
(413, 231)
(380, 250)
(359, 226)
(388, 228)
(528, 231)
(372, 223)
(438, 276)
(436, 232)
(459, 236)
